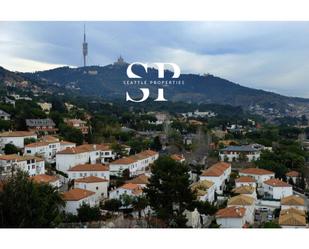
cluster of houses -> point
(87, 166)
(255, 189)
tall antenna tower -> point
(85, 46)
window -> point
(97, 188)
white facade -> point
(79, 174)
(277, 192)
(72, 206)
(259, 178)
(18, 141)
(231, 222)
(136, 164)
(100, 188)
(132, 190)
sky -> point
(272, 56)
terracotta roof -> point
(177, 157)
(293, 200)
(130, 186)
(20, 158)
(216, 169)
(85, 148)
(241, 200)
(141, 179)
(231, 212)
(76, 194)
(66, 142)
(90, 179)
(201, 187)
(39, 144)
(292, 174)
(49, 138)
(245, 179)
(125, 160)
(17, 134)
(134, 158)
(292, 217)
(277, 183)
(43, 178)
(244, 190)
(256, 171)
(90, 167)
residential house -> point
(47, 148)
(95, 184)
(44, 126)
(260, 175)
(16, 138)
(246, 202)
(30, 164)
(218, 173)
(4, 115)
(45, 106)
(277, 189)
(245, 181)
(129, 189)
(293, 201)
(52, 180)
(233, 153)
(140, 180)
(205, 190)
(294, 175)
(86, 170)
(82, 154)
(292, 218)
(74, 198)
(231, 217)
(78, 124)
(136, 164)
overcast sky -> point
(272, 56)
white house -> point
(294, 175)
(260, 175)
(293, 201)
(246, 202)
(277, 189)
(233, 153)
(47, 149)
(245, 181)
(16, 138)
(30, 164)
(231, 217)
(86, 170)
(94, 184)
(140, 180)
(218, 174)
(130, 189)
(47, 179)
(292, 218)
(86, 153)
(4, 115)
(74, 198)
(205, 190)
(136, 164)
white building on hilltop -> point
(16, 138)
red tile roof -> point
(216, 169)
(43, 178)
(256, 171)
(85, 148)
(90, 167)
(77, 194)
(245, 179)
(231, 212)
(292, 174)
(277, 183)
(17, 134)
(90, 179)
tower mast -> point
(85, 47)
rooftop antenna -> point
(85, 47)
